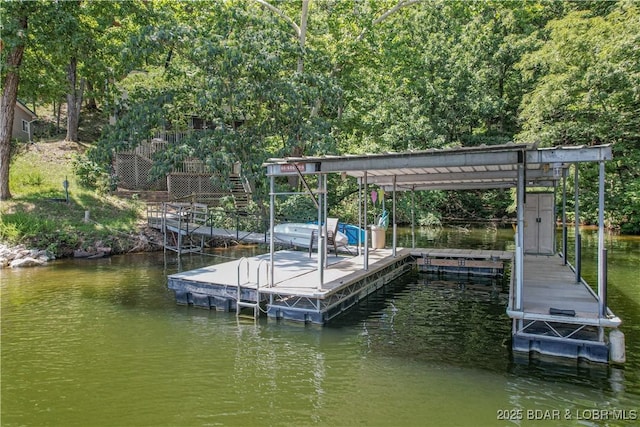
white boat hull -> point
(299, 235)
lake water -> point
(102, 343)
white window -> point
(25, 126)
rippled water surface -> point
(102, 343)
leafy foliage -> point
(92, 175)
(585, 91)
(352, 76)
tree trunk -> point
(74, 100)
(7, 106)
(92, 105)
(304, 16)
(58, 115)
(54, 115)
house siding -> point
(21, 115)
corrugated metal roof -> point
(493, 166)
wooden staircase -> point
(240, 191)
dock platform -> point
(298, 291)
(463, 261)
(559, 316)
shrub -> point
(93, 176)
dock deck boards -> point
(579, 333)
(550, 284)
(341, 272)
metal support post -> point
(577, 221)
(413, 218)
(321, 236)
(394, 235)
(272, 217)
(325, 249)
(366, 229)
(564, 217)
(602, 258)
(359, 216)
(520, 238)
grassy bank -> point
(39, 216)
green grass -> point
(31, 175)
(38, 214)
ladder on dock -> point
(246, 299)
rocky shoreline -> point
(145, 240)
(19, 256)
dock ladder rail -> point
(247, 284)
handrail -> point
(262, 261)
(240, 261)
(239, 287)
(255, 305)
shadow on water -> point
(449, 320)
(461, 321)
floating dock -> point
(299, 293)
(296, 293)
(559, 316)
(463, 262)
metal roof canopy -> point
(482, 167)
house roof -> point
(482, 167)
(26, 109)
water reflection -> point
(490, 237)
(462, 322)
(430, 319)
(103, 343)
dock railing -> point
(248, 302)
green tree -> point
(586, 75)
(237, 69)
(63, 44)
(14, 39)
(89, 36)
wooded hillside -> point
(310, 77)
